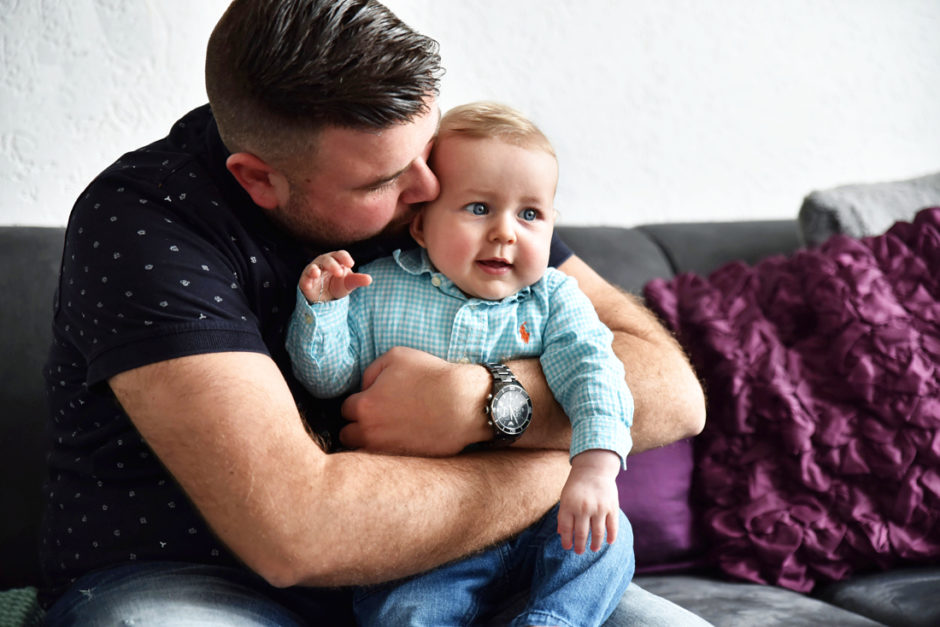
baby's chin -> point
(484, 293)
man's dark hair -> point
(277, 71)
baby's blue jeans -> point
(564, 588)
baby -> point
(479, 289)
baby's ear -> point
(417, 228)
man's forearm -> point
(668, 400)
(226, 427)
(394, 526)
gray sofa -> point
(628, 257)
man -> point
(185, 483)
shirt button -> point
(436, 281)
(463, 360)
(308, 318)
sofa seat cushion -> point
(904, 597)
(820, 455)
(745, 604)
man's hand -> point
(413, 403)
(589, 501)
(330, 277)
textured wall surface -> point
(660, 110)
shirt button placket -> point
(458, 351)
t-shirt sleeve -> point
(559, 252)
(138, 287)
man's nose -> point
(422, 184)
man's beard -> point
(320, 235)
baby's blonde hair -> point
(492, 120)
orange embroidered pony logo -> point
(524, 333)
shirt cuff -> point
(610, 434)
(330, 312)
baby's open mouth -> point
(494, 264)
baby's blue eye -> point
(476, 208)
(529, 215)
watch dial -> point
(512, 410)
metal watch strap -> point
(501, 373)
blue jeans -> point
(174, 593)
(563, 588)
(166, 593)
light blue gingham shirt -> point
(411, 304)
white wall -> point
(661, 110)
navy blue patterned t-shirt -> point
(165, 256)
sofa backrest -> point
(29, 266)
(631, 257)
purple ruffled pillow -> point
(821, 455)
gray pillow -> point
(865, 209)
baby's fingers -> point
(565, 529)
(310, 282)
(598, 529)
(582, 528)
(343, 258)
(312, 272)
(613, 522)
(332, 265)
(355, 280)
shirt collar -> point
(416, 261)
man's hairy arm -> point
(226, 427)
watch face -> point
(512, 410)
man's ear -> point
(267, 187)
(417, 228)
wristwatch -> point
(508, 406)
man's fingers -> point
(372, 371)
(351, 435)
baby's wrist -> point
(596, 460)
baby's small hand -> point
(589, 501)
(330, 277)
